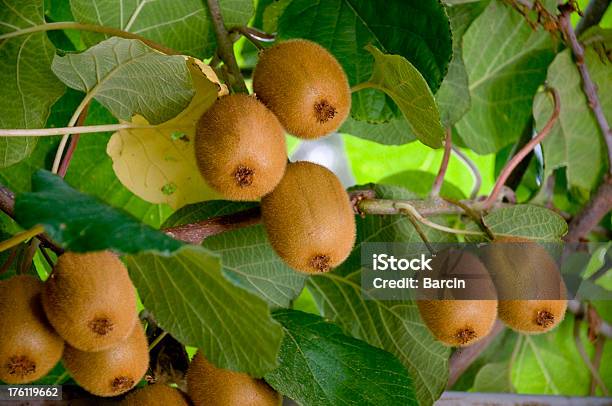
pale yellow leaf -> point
(158, 163)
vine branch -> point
(49, 132)
(225, 48)
(589, 88)
(593, 14)
(437, 185)
(72, 25)
(523, 152)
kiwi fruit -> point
(240, 148)
(305, 86)
(309, 219)
(212, 386)
(459, 317)
(113, 371)
(155, 395)
(29, 347)
(532, 294)
(90, 300)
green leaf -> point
(453, 97)
(395, 76)
(506, 62)
(420, 182)
(319, 365)
(246, 255)
(576, 141)
(493, 377)
(127, 77)
(192, 300)
(91, 172)
(551, 364)
(390, 325)
(533, 222)
(345, 27)
(27, 84)
(82, 223)
(396, 131)
(183, 25)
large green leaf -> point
(506, 61)
(319, 365)
(181, 25)
(246, 255)
(27, 84)
(395, 76)
(453, 97)
(81, 222)
(91, 171)
(391, 325)
(533, 222)
(576, 141)
(396, 131)
(551, 364)
(345, 27)
(127, 77)
(191, 299)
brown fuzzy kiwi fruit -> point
(90, 300)
(113, 371)
(155, 395)
(29, 347)
(305, 86)
(459, 317)
(532, 294)
(309, 219)
(212, 386)
(240, 148)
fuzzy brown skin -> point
(240, 148)
(458, 323)
(212, 386)
(309, 219)
(305, 86)
(90, 300)
(459, 317)
(532, 293)
(113, 371)
(156, 395)
(29, 347)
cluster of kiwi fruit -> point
(517, 281)
(300, 88)
(84, 313)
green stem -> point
(49, 132)
(72, 25)
(361, 86)
(21, 237)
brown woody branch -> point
(593, 14)
(589, 88)
(225, 48)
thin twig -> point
(419, 230)
(592, 213)
(599, 347)
(523, 152)
(589, 88)
(73, 120)
(21, 237)
(157, 340)
(49, 132)
(403, 206)
(71, 25)
(9, 261)
(225, 48)
(580, 347)
(437, 185)
(593, 14)
(255, 36)
(74, 140)
(473, 169)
